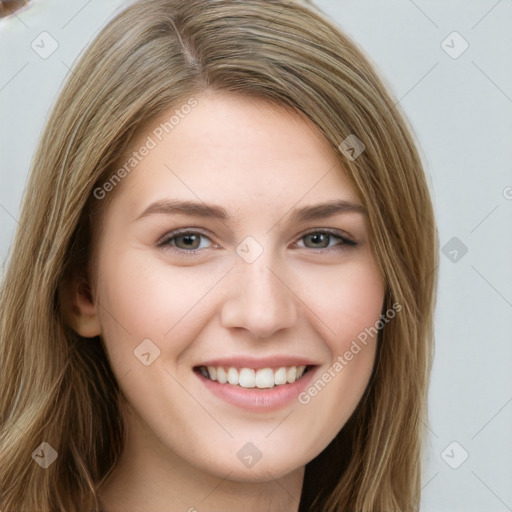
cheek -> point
(347, 301)
(144, 298)
(348, 307)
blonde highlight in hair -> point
(58, 387)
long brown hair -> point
(58, 388)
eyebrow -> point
(306, 213)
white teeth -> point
(233, 376)
(221, 375)
(265, 378)
(291, 373)
(280, 376)
(249, 378)
(213, 372)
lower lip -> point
(255, 399)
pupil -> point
(316, 238)
(189, 240)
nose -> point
(260, 298)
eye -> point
(191, 242)
(183, 241)
(322, 239)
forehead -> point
(234, 150)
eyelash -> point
(164, 241)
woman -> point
(260, 369)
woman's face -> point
(218, 259)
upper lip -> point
(259, 362)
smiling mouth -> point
(262, 378)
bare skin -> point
(305, 296)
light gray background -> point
(461, 112)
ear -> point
(79, 307)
